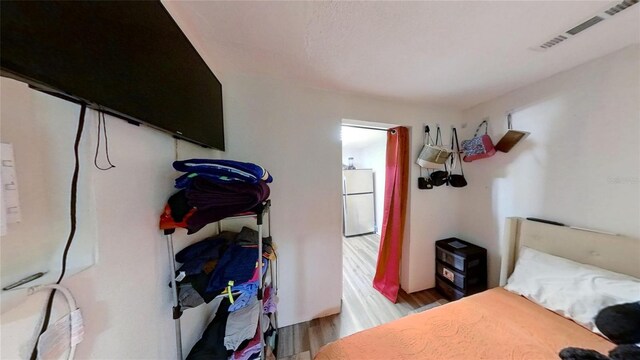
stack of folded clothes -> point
(226, 264)
(212, 190)
(209, 267)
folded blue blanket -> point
(237, 264)
(195, 256)
(220, 171)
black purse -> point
(440, 177)
(457, 180)
(424, 182)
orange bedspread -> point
(495, 324)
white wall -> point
(301, 132)
(124, 298)
(44, 180)
(580, 165)
(291, 130)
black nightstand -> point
(461, 268)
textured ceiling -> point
(451, 53)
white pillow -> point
(573, 290)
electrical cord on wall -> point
(102, 124)
(176, 149)
(72, 232)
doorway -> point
(363, 179)
(363, 185)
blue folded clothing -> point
(237, 264)
(247, 290)
(196, 255)
(220, 171)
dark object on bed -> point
(625, 352)
(571, 353)
(461, 268)
(621, 352)
(621, 324)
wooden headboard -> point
(616, 253)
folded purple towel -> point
(215, 201)
(205, 194)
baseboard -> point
(330, 311)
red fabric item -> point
(167, 222)
(387, 277)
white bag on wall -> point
(433, 156)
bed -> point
(498, 324)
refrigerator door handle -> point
(345, 216)
(344, 203)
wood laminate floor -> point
(363, 307)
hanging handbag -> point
(432, 156)
(425, 183)
(457, 180)
(479, 147)
(441, 177)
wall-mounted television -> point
(128, 58)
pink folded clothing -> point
(253, 347)
(269, 302)
(265, 266)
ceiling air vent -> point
(612, 10)
(585, 25)
(555, 41)
(623, 5)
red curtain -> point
(387, 278)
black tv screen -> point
(129, 58)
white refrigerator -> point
(358, 202)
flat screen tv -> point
(128, 58)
